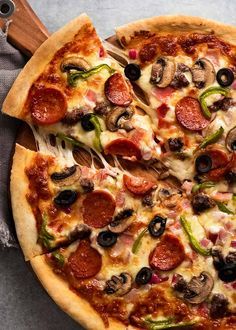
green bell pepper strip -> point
(223, 208)
(166, 324)
(204, 185)
(194, 242)
(59, 258)
(137, 242)
(212, 138)
(234, 197)
(74, 76)
(96, 142)
(69, 139)
(44, 236)
(208, 92)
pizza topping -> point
(118, 91)
(121, 221)
(66, 198)
(138, 185)
(106, 239)
(73, 76)
(162, 72)
(203, 73)
(202, 186)
(98, 208)
(208, 92)
(102, 108)
(137, 243)
(119, 118)
(119, 285)
(168, 324)
(228, 272)
(223, 208)
(147, 200)
(230, 141)
(74, 63)
(169, 197)
(132, 71)
(213, 138)
(180, 80)
(85, 262)
(58, 258)
(157, 226)
(194, 242)
(196, 290)
(219, 306)
(225, 77)
(168, 253)
(47, 106)
(123, 147)
(226, 267)
(87, 123)
(189, 114)
(87, 185)
(143, 276)
(230, 177)
(73, 117)
(201, 202)
(90, 122)
(203, 163)
(67, 177)
(175, 144)
(44, 236)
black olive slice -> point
(233, 145)
(106, 239)
(56, 176)
(86, 122)
(66, 198)
(143, 276)
(203, 164)
(132, 71)
(228, 273)
(154, 229)
(225, 77)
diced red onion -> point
(133, 54)
(233, 244)
(233, 85)
(157, 278)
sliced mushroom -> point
(169, 197)
(67, 177)
(162, 72)
(79, 232)
(197, 290)
(119, 285)
(74, 63)
(121, 221)
(230, 140)
(119, 117)
(203, 73)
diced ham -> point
(233, 86)
(91, 96)
(205, 242)
(222, 237)
(213, 56)
(120, 198)
(221, 197)
(121, 249)
(162, 94)
(187, 187)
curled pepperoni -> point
(98, 208)
(219, 157)
(123, 147)
(189, 114)
(117, 90)
(84, 262)
(168, 253)
(220, 164)
(148, 52)
(138, 185)
(47, 106)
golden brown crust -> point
(17, 96)
(175, 24)
(22, 213)
(78, 308)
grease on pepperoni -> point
(117, 90)
(168, 253)
(138, 185)
(189, 114)
(84, 262)
(47, 106)
(123, 147)
(98, 208)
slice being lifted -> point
(74, 90)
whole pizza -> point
(126, 208)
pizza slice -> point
(73, 90)
(186, 68)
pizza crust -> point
(175, 24)
(23, 216)
(78, 308)
(15, 100)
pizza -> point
(126, 207)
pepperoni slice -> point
(189, 114)
(168, 253)
(219, 157)
(84, 262)
(123, 147)
(138, 185)
(117, 90)
(98, 208)
(47, 106)
(221, 165)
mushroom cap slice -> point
(163, 72)
(74, 63)
(66, 177)
(199, 288)
(121, 221)
(119, 117)
(231, 139)
(203, 73)
(119, 285)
